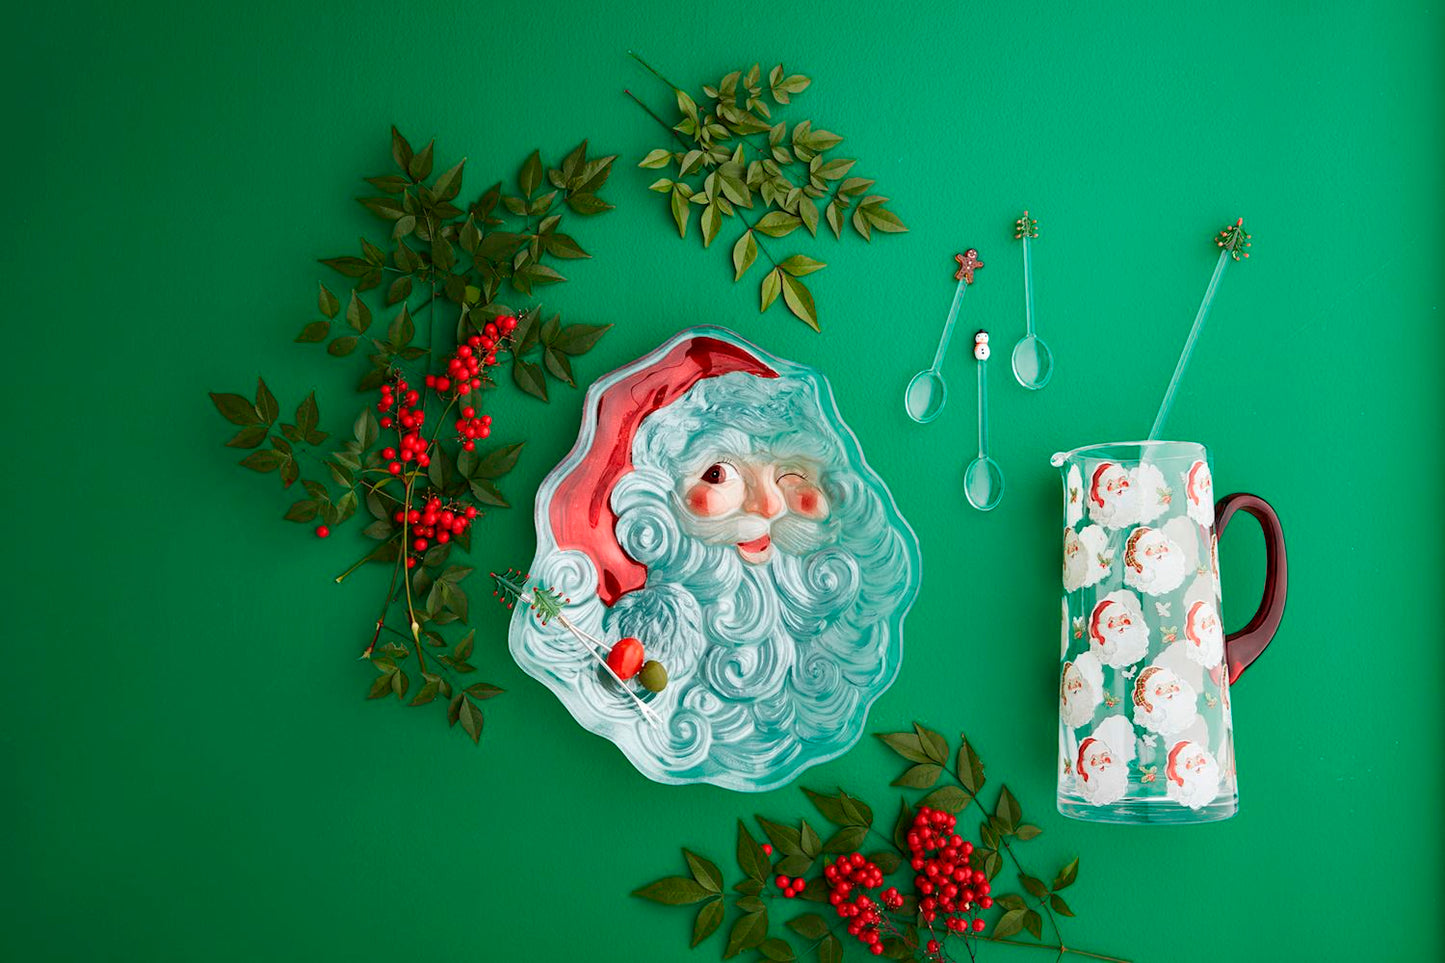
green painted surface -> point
(191, 770)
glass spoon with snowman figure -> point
(983, 480)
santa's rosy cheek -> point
(706, 500)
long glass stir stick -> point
(1033, 362)
(983, 479)
(1231, 242)
(927, 392)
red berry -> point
(625, 659)
(767, 847)
(978, 926)
(783, 882)
(394, 468)
(322, 531)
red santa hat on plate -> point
(581, 510)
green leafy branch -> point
(731, 154)
(501, 242)
(439, 253)
(798, 850)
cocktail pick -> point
(983, 479)
(1033, 362)
(1231, 241)
(927, 392)
(547, 605)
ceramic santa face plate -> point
(717, 508)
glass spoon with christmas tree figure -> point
(1033, 362)
(927, 392)
(623, 660)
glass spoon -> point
(927, 392)
(1033, 362)
(983, 480)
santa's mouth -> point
(757, 550)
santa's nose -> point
(763, 496)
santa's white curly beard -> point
(762, 658)
(1200, 784)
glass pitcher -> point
(1145, 731)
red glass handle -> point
(1243, 647)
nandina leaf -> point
(340, 347)
(906, 744)
(970, 768)
(1027, 832)
(902, 825)
(1060, 907)
(1036, 887)
(1034, 924)
(528, 376)
(745, 251)
(709, 918)
(933, 745)
(497, 463)
(800, 264)
(248, 437)
(327, 302)
(352, 267)
(772, 284)
(577, 339)
(1009, 923)
(471, 719)
(381, 685)
(786, 839)
(748, 931)
(302, 511)
(809, 841)
(530, 176)
(809, 925)
(948, 798)
(830, 950)
(800, 301)
(778, 223)
(314, 332)
(775, 949)
(1008, 810)
(673, 891)
(886, 860)
(449, 182)
(921, 776)
(488, 494)
(751, 858)
(266, 405)
(263, 461)
(1067, 875)
(846, 840)
(419, 167)
(704, 870)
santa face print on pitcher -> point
(1145, 730)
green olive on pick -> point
(653, 676)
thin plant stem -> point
(1060, 949)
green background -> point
(192, 771)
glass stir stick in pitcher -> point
(983, 479)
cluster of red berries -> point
(470, 427)
(467, 365)
(947, 886)
(792, 887)
(401, 407)
(863, 913)
(434, 521)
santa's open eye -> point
(717, 474)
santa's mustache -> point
(792, 534)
